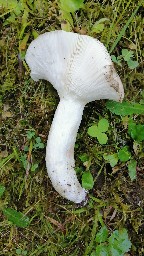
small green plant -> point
(123, 155)
(67, 10)
(98, 27)
(21, 252)
(87, 180)
(37, 143)
(105, 243)
(125, 108)
(32, 144)
(127, 55)
(98, 131)
(71, 5)
(136, 131)
(116, 244)
(15, 217)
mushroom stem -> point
(60, 149)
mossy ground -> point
(57, 226)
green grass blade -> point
(124, 29)
(6, 159)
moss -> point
(57, 226)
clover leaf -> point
(98, 131)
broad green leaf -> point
(21, 252)
(93, 131)
(102, 235)
(30, 134)
(116, 60)
(38, 140)
(98, 131)
(2, 190)
(84, 157)
(132, 169)
(136, 131)
(18, 251)
(112, 159)
(127, 54)
(38, 143)
(125, 108)
(102, 138)
(65, 25)
(119, 242)
(17, 218)
(26, 148)
(102, 250)
(97, 28)
(115, 251)
(68, 17)
(87, 180)
(34, 167)
(71, 5)
(24, 161)
(103, 125)
(124, 154)
(132, 64)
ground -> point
(55, 225)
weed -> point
(15, 217)
(87, 180)
(21, 252)
(67, 10)
(98, 131)
(54, 226)
(127, 55)
(98, 27)
(125, 108)
(106, 244)
(32, 144)
(124, 155)
(117, 243)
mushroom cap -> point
(78, 66)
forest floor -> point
(52, 225)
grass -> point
(56, 226)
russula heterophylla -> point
(80, 69)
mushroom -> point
(80, 69)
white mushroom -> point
(80, 69)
